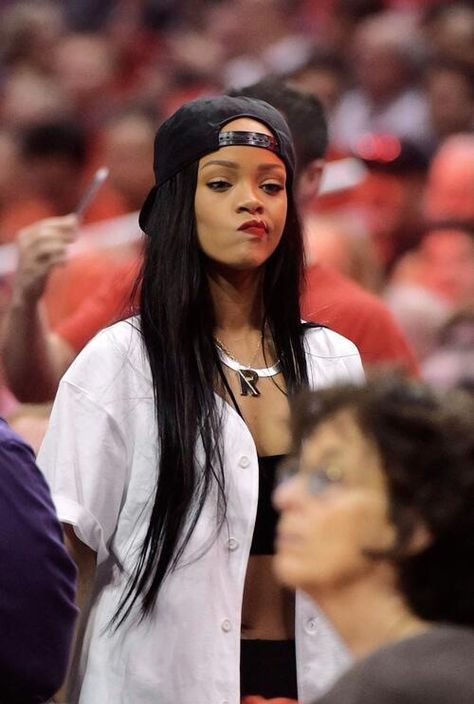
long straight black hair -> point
(177, 325)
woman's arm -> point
(85, 560)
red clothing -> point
(72, 284)
(329, 299)
(332, 299)
(108, 303)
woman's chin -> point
(286, 571)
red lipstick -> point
(255, 227)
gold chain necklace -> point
(226, 350)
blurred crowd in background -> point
(85, 84)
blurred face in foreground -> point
(333, 509)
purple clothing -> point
(37, 580)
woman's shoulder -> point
(118, 336)
(438, 643)
(436, 663)
(434, 666)
(115, 356)
(321, 341)
(113, 343)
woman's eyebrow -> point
(271, 167)
(234, 165)
(221, 162)
(327, 456)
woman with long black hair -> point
(167, 428)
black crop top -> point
(266, 519)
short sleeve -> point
(84, 459)
(332, 358)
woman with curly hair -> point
(377, 526)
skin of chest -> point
(266, 415)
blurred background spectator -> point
(52, 157)
(386, 201)
(85, 85)
(452, 362)
(449, 85)
(386, 54)
(450, 187)
(449, 30)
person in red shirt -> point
(338, 302)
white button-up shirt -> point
(100, 458)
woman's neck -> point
(368, 615)
(238, 305)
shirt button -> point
(311, 625)
(244, 462)
(232, 544)
(226, 625)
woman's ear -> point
(420, 539)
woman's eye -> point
(272, 188)
(218, 185)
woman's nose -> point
(287, 493)
(250, 202)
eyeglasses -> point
(316, 480)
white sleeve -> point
(332, 359)
(84, 459)
(355, 369)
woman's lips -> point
(254, 227)
(285, 538)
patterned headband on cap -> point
(250, 139)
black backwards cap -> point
(194, 130)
